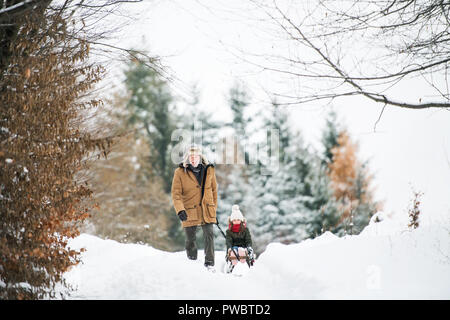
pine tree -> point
(238, 101)
(280, 190)
(330, 137)
(324, 214)
(149, 103)
(365, 204)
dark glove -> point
(182, 215)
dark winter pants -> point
(191, 246)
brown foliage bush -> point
(43, 147)
(342, 170)
(350, 180)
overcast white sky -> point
(199, 43)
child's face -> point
(236, 221)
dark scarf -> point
(197, 171)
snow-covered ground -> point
(386, 261)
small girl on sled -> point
(238, 240)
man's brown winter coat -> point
(187, 195)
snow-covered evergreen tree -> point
(280, 191)
(365, 205)
(323, 214)
(330, 137)
(238, 100)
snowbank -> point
(386, 261)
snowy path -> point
(378, 264)
(112, 270)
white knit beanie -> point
(236, 214)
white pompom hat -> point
(236, 214)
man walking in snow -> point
(194, 196)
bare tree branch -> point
(403, 40)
